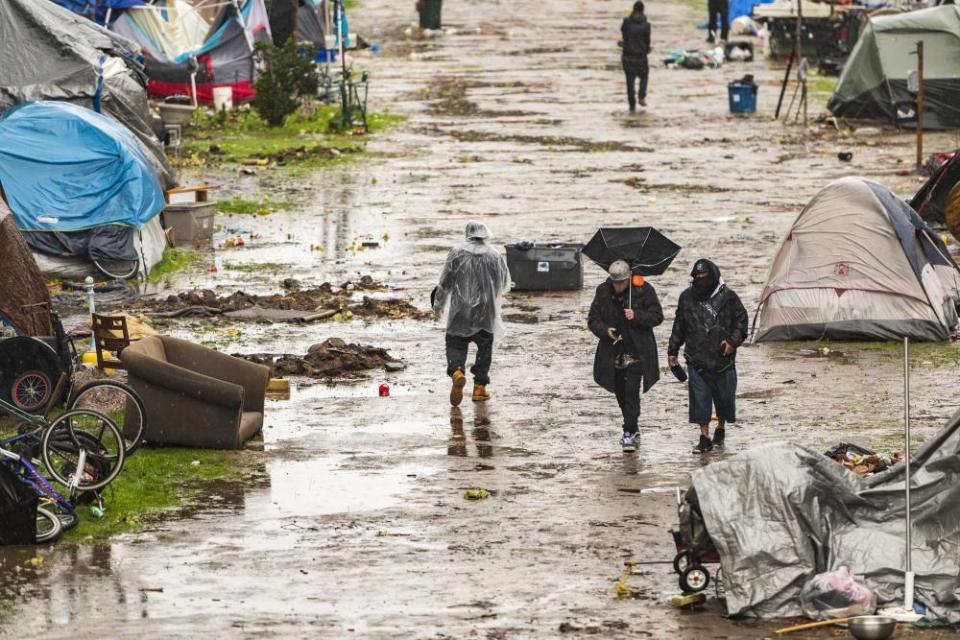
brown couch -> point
(196, 396)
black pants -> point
(627, 385)
(633, 69)
(457, 355)
(718, 9)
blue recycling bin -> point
(743, 97)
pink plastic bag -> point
(836, 594)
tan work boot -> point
(480, 393)
(456, 389)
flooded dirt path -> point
(357, 524)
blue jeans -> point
(712, 390)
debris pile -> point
(860, 460)
(328, 359)
(297, 304)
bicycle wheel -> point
(83, 450)
(31, 391)
(117, 401)
(49, 526)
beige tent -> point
(859, 264)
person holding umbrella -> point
(624, 311)
(710, 324)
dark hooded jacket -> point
(704, 320)
(636, 37)
(607, 311)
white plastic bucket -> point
(223, 98)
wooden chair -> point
(106, 338)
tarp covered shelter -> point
(100, 11)
(874, 80)
(24, 299)
(51, 53)
(859, 264)
(933, 197)
(171, 32)
(303, 20)
(79, 184)
(779, 514)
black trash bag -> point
(18, 510)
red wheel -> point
(31, 391)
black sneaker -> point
(718, 435)
(704, 446)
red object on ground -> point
(384, 390)
(242, 91)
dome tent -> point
(874, 80)
(859, 264)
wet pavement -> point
(357, 524)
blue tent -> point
(97, 10)
(67, 168)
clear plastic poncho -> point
(472, 285)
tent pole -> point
(919, 104)
(783, 87)
(908, 574)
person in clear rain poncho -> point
(470, 291)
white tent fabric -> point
(842, 272)
(172, 28)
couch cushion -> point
(250, 423)
(151, 347)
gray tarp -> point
(780, 514)
(50, 53)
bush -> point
(287, 74)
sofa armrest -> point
(183, 381)
(249, 375)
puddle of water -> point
(323, 487)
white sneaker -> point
(629, 442)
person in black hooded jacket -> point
(711, 323)
(636, 45)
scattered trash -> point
(35, 561)
(845, 156)
(195, 463)
(860, 460)
(384, 390)
(476, 493)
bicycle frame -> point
(35, 480)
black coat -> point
(636, 38)
(607, 311)
(700, 327)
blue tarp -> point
(97, 9)
(67, 168)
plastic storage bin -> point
(545, 268)
(743, 97)
(191, 222)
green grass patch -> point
(817, 83)
(922, 354)
(238, 136)
(154, 480)
(255, 267)
(240, 206)
(174, 261)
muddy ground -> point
(360, 527)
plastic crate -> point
(548, 268)
(743, 97)
(191, 222)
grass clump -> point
(174, 261)
(154, 480)
(241, 206)
(310, 138)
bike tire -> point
(49, 526)
(91, 396)
(61, 448)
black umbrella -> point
(646, 250)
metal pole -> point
(91, 305)
(908, 575)
(919, 104)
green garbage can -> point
(430, 14)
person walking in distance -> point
(718, 10)
(635, 31)
(472, 284)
